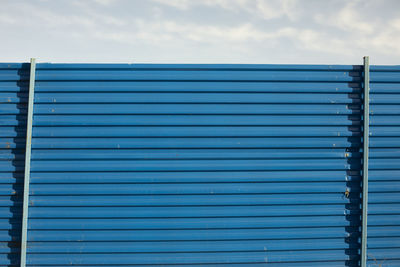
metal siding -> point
(384, 201)
(179, 164)
(12, 150)
(195, 164)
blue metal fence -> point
(384, 181)
(179, 164)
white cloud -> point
(203, 30)
(104, 2)
(180, 4)
(236, 36)
(261, 8)
(387, 40)
(347, 19)
(395, 23)
(7, 19)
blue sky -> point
(201, 31)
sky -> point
(201, 31)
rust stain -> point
(347, 193)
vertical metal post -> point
(365, 165)
(27, 163)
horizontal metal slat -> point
(14, 257)
(392, 164)
(383, 88)
(384, 208)
(194, 108)
(190, 223)
(7, 177)
(185, 246)
(389, 120)
(11, 65)
(188, 86)
(146, 66)
(384, 109)
(14, 74)
(383, 254)
(164, 108)
(352, 263)
(13, 97)
(124, 154)
(175, 246)
(376, 68)
(386, 195)
(188, 258)
(198, 165)
(11, 154)
(183, 223)
(9, 201)
(186, 98)
(164, 235)
(384, 142)
(192, 75)
(186, 120)
(187, 200)
(189, 142)
(10, 189)
(385, 262)
(385, 76)
(386, 242)
(200, 188)
(383, 219)
(13, 109)
(384, 98)
(21, 86)
(196, 131)
(385, 131)
(383, 231)
(381, 175)
(203, 177)
(384, 152)
(195, 211)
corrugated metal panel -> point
(13, 91)
(194, 164)
(384, 186)
(199, 164)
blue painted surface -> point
(12, 179)
(186, 164)
(384, 196)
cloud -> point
(362, 29)
(348, 18)
(252, 31)
(395, 23)
(105, 2)
(263, 9)
(388, 39)
(170, 30)
(180, 4)
(7, 19)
